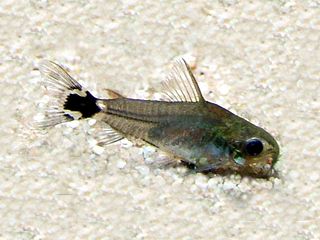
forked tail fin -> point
(68, 99)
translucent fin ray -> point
(181, 85)
(158, 159)
(59, 85)
(105, 135)
(56, 77)
(113, 94)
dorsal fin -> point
(181, 85)
(113, 94)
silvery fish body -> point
(201, 134)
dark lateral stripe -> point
(133, 116)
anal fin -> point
(104, 134)
(108, 136)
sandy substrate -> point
(260, 59)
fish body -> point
(199, 133)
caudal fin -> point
(68, 99)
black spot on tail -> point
(85, 105)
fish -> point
(199, 134)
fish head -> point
(255, 152)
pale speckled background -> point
(260, 59)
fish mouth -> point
(266, 168)
(271, 173)
(263, 167)
(258, 167)
(267, 174)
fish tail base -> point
(67, 101)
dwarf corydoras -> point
(197, 132)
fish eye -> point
(253, 147)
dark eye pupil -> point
(254, 147)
